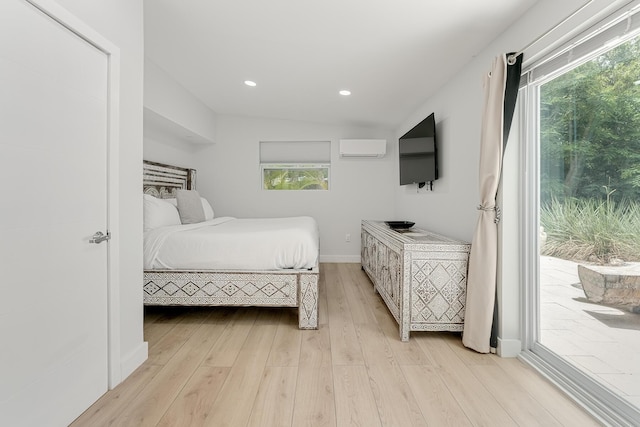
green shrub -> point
(591, 230)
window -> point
(295, 177)
(583, 110)
(295, 165)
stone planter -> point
(612, 285)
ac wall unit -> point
(363, 147)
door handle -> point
(99, 237)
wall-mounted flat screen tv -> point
(418, 153)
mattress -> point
(229, 243)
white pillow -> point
(208, 210)
(158, 213)
(206, 206)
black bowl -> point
(396, 225)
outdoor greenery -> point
(590, 158)
(296, 178)
(592, 230)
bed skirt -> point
(277, 288)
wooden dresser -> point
(420, 275)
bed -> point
(279, 267)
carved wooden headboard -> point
(160, 180)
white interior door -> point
(53, 170)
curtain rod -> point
(511, 59)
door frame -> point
(88, 34)
(594, 397)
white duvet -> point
(228, 243)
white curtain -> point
(481, 279)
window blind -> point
(295, 152)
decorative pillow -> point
(206, 206)
(158, 213)
(190, 206)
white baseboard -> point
(133, 360)
(509, 347)
(340, 258)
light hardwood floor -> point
(254, 367)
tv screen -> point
(418, 153)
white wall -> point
(173, 152)
(229, 176)
(176, 123)
(164, 96)
(121, 22)
(451, 208)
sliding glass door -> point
(583, 112)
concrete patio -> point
(601, 340)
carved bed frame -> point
(273, 288)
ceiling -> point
(391, 54)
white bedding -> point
(228, 243)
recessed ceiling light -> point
(345, 92)
(249, 83)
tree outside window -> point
(295, 177)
